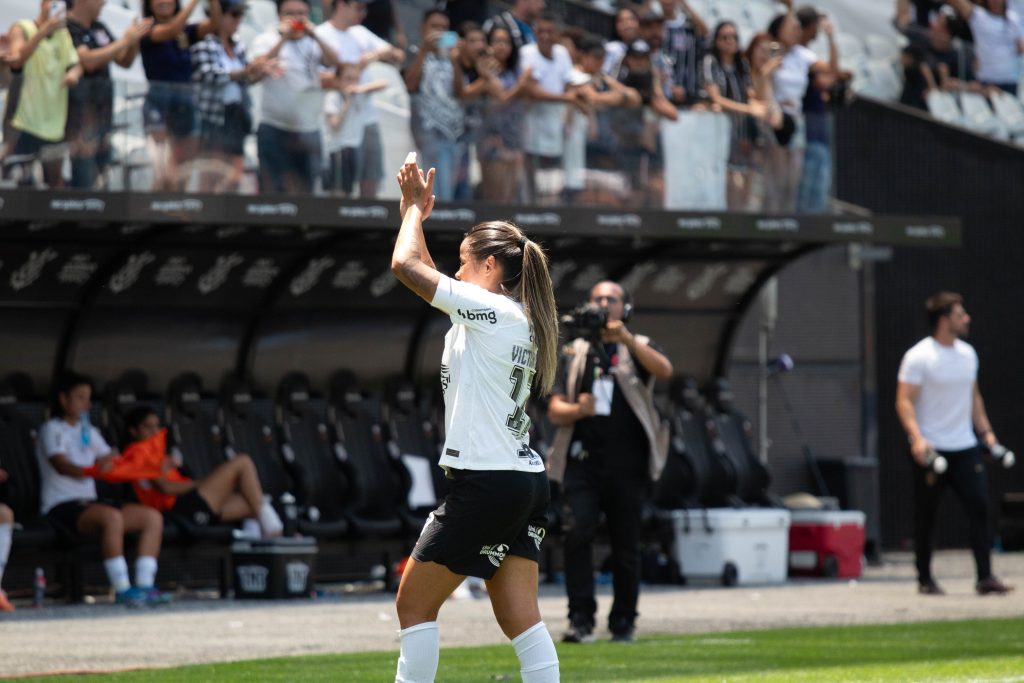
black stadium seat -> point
(248, 422)
(752, 477)
(375, 488)
(196, 441)
(321, 485)
(414, 443)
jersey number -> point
(517, 422)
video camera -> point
(586, 320)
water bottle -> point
(1003, 455)
(39, 588)
(935, 462)
(86, 427)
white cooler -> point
(734, 546)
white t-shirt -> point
(487, 368)
(946, 376)
(792, 77)
(995, 45)
(350, 132)
(57, 436)
(351, 45)
(293, 101)
(544, 132)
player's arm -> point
(410, 261)
(906, 397)
(980, 418)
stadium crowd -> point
(509, 106)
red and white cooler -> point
(826, 543)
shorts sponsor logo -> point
(495, 553)
(537, 533)
(452, 452)
(487, 314)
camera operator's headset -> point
(627, 304)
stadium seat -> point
(196, 442)
(979, 117)
(882, 80)
(322, 487)
(882, 47)
(942, 105)
(376, 491)
(413, 443)
(850, 47)
(1011, 112)
(752, 476)
(248, 422)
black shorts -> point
(486, 515)
(64, 516)
(194, 509)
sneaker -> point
(624, 636)
(155, 596)
(992, 585)
(930, 588)
(5, 604)
(131, 597)
(579, 633)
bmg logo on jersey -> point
(487, 314)
(495, 553)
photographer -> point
(610, 444)
(940, 408)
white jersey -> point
(946, 376)
(487, 368)
(58, 437)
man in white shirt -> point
(998, 41)
(548, 93)
(352, 42)
(288, 137)
(940, 408)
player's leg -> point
(423, 589)
(513, 593)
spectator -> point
(67, 444)
(627, 32)
(91, 102)
(914, 17)
(230, 493)
(6, 534)
(685, 33)
(551, 70)
(727, 82)
(638, 129)
(518, 21)
(816, 176)
(288, 137)
(934, 60)
(169, 109)
(352, 42)
(790, 81)
(500, 144)
(382, 19)
(476, 65)
(577, 124)
(998, 41)
(344, 111)
(45, 54)
(223, 73)
(606, 183)
(434, 78)
(652, 32)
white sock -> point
(251, 529)
(538, 661)
(270, 521)
(117, 573)
(421, 648)
(6, 531)
(145, 571)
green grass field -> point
(986, 650)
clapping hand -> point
(417, 188)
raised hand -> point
(417, 188)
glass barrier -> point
(130, 135)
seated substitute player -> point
(230, 493)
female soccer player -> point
(491, 524)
